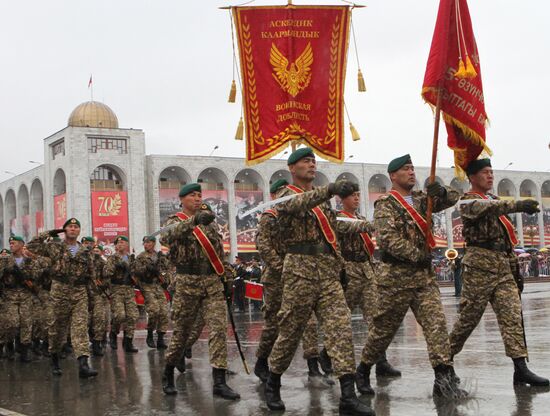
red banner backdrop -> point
(217, 199)
(59, 210)
(169, 203)
(109, 215)
(26, 223)
(458, 238)
(247, 226)
(293, 65)
(38, 222)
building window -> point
(58, 148)
(104, 178)
(107, 143)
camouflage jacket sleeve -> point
(476, 210)
(32, 268)
(109, 271)
(391, 234)
(439, 204)
(302, 203)
(266, 242)
(164, 263)
(176, 234)
(139, 266)
(39, 243)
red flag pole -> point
(431, 179)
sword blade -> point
(268, 204)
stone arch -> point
(170, 180)
(460, 186)
(107, 177)
(37, 206)
(281, 174)
(23, 211)
(249, 192)
(320, 179)
(530, 224)
(59, 182)
(213, 179)
(506, 188)
(348, 176)
(528, 189)
(378, 185)
(1, 222)
(215, 185)
(11, 211)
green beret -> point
(190, 187)
(149, 238)
(16, 238)
(476, 165)
(71, 221)
(398, 163)
(205, 207)
(87, 239)
(121, 237)
(278, 184)
(5, 251)
(99, 246)
(300, 154)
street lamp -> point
(34, 162)
(285, 152)
(508, 165)
(10, 173)
(213, 150)
(348, 158)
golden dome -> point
(93, 114)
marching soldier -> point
(405, 278)
(489, 266)
(151, 267)
(72, 268)
(124, 310)
(196, 249)
(358, 252)
(311, 281)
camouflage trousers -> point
(17, 315)
(273, 294)
(124, 311)
(493, 284)
(100, 315)
(392, 306)
(42, 315)
(361, 290)
(70, 312)
(192, 294)
(312, 284)
(155, 305)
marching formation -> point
(61, 294)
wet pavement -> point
(131, 384)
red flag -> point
(90, 82)
(454, 68)
(254, 291)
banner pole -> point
(431, 179)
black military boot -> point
(97, 351)
(168, 385)
(56, 368)
(129, 345)
(36, 346)
(150, 340)
(349, 403)
(84, 370)
(445, 384)
(112, 340)
(189, 353)
(18, 344)
(25, 356)
(68, 347)
(385, 369)
(10, 351)
(181, 364)
(362, 378)
(313, 368)
(325, 362)
(261, 369)
(273, 392)
(220, 386)
(161, 345)
(522, 375)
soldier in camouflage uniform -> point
(311, 280)
(18, 271)
(42, 308)
(487, 274)
(272, 253)
(124, 310)
(405, 278)
(72, 268)
(357, 251)
(198, 284)
(151, 268)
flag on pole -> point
(454, 71)
(90, 82)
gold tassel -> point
(470, 70)
(361, 81)
(354, 133)
(461, 73)
(240, 130)
(232, 92)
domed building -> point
(93, 114)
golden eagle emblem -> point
(297, 77)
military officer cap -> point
(300, 154)
(16, 238)
(71, 221)
(205, 207)
(87, 239)
(152, 239)
(476, 165)
(398, 163)
(5, 251)
(121, 237)
(190, 187)
(278, 184)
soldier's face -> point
(191, 202)
(122, 246)
(72, 231)
(483, 179)
(149, 246)
(97, 251)
(352, 202)
(16, 246)
(404, 177)
(87, 244)
(304, 169)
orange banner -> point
(293, 65)
(59, 210)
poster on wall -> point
(218, 201)
(38, 222)
(13, 226)
(247, 226)
(546, 219)
(440, 229)
(59, 210)
(109, 217)
(26, 223)
(169, 203)
(458, 238)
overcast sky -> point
(164, 66)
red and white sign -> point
(59, 210)
(109, 215)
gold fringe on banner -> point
(361, 82)
(470, 70)
(461, 73)
(232, 92)
(354, 133)
(239, 134)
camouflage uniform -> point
(123, 307)
(42, 308)
(311, 283)
(487, 276)
(98, 301)
(149, 268)
(405, 279)
(197, 285)
(271, 252)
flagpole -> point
(431, 179)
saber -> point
(164, 229)
(260, 207)
(347, 219)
